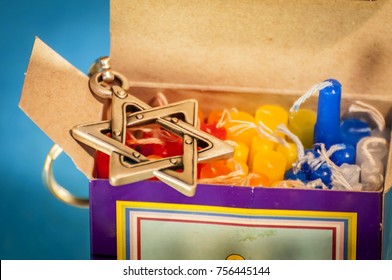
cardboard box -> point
(225, 54)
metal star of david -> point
(128, 165)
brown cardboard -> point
(233, 52)
(56, 97)
(276, 46)
(251, 46)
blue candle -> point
(352, 130)
(345, 155)
(316, 149)
(291, 175)
(311, 154)
(324, 173)
(327, 128)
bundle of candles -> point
(279, 147)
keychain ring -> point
(55, 188)
(97, 88)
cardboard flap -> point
(52, 84)
(270, 45)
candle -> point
(259, 180)
(327, 128)
(374, 147)
(300, 175)
(371, 156)
(352, 130)
(212, 129)
(301, 123)
(271, 164)
(272, 116)
(237, 166)
(351, 172)
(155, 141)
(171, 145)
(345, 155)
(245, 135)
(310, 154)
(201, 116)
(290, 153)
(101, 165)
(324, 173)
(214, 169)
(259, 144)
(372, 175)
(241, 152)
(214, 117)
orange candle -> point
(214, 169)
(259, 180)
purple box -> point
(137, 221)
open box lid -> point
(272, 45)
(266, 46)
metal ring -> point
(96, 87)
(57, 190)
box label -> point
(177, 231)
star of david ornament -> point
(128, 165)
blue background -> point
(34, 224)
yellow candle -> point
(245, 136)
(290, 153)
(302, 123)
(241, 152)
(272, 116)
(259, 144)
(271, 164)
(238, 166)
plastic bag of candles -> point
(275, 146)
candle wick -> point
(375, 114)
(314, 89)
(365, 148)
(241, 127)
(337, 176)
(300, 147)
(236, 177)
(265, 131)
(225, 117)
(161, 99)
